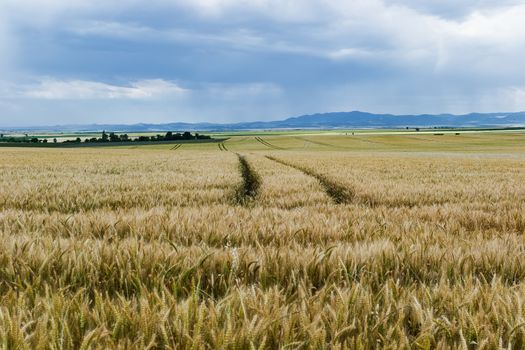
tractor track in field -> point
(267, 144)
(176, 147)
(421, 138)
(251, 181)
(343, 194)
(319, 142)
(370, 141)
(338, 193)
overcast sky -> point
(129, 61)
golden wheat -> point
(151, 248)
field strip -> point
(176, 147)
(250, 182)
(267, 144)
(339, 194)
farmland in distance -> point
(266, 241)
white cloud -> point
(352, 30)
(349, 53)
(399, 55)
(149, 89)
(404, 31)
(52, 89)
(54, 101)
(112, 29)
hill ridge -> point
(330, 120)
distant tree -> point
(113, 137)
(34, 140)
(124, 137)
(202, 137)
(55, 140)
(78, 140)
(104, 136)
(44, 140)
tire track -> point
(322, 143)
(421, 139)
(222, 147)
(249, 188)
(315, 142)
(340, 194)
(373, 142)
(176, 147)
(267, 144)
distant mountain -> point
(335, 120)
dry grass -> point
(148, 248)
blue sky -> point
(129, 61)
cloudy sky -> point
(128, 61)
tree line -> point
(113, 137)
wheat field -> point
(266, 242)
